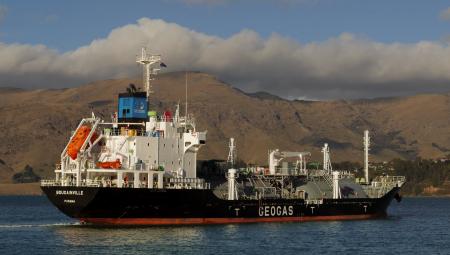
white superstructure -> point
(159, 151)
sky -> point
(296, 49)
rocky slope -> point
(35, 124)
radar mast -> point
(148, 61)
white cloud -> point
(341, 67)
(445, 14)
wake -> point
(40, 225)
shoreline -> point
(20, 189)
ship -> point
(140, 168)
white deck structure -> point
(158, 153)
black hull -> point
(129, 206)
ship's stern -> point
(69, 199)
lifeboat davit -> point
(110, 164)
(78, 140)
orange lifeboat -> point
(110, 164)
(78, 140)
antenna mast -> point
(147, 61)
(186, 90)
(366, 155)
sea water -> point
(31, 225)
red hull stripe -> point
(188, 221)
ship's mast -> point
(366, 155)
(231, 153)
(148, 62)
(326, 158)
(186, 95)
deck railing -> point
(383, 184)
(389, 179)
(175, 183)
(50, 183)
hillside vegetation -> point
(35, 124)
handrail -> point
(388, 178)
(189, 183)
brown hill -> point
(35, 124)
